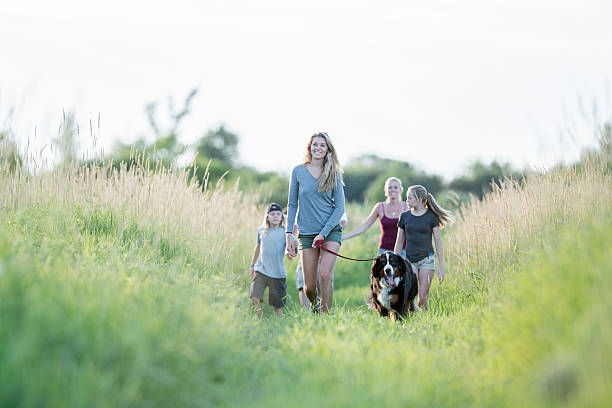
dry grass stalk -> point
(212, 222)
(516, 216)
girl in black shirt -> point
(422, 221)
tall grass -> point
(495, 232)
(166, 201)
(127, 288)
(109, 282)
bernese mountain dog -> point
(393, 286)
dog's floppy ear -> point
(377, 267)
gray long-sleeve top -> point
(319, 212)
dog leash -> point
(319, 244)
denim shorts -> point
(426, 263)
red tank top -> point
(388, 227)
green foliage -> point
(545, 342)
(165, 147)
(98, 309)
(96, 223)
(210, 172)
(220, 145)
(87, 322)
(358, 175)
(10, 157)
(167, 249)
(537, 339)
(217, 161)
(480, 176)
(269, 186)
(163, 151)
(365, 178)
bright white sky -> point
(437, 83)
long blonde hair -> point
(331, 164)
(398, 181)
(444, 216)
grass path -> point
(103, 303)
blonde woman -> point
(417, 226)
(388, 212)
(316, 194)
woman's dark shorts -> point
(277, 289)
(335, 235)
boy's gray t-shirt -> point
(319, 212)
(271, 252)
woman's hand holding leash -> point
(319, 237)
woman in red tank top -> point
(388, 212)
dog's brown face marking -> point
(389, 268)
(388, 273)
(392, 286)
(392, 266)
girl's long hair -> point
(444, 216)
(331, 164)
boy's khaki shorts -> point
(277, 289)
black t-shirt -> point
(418, 231)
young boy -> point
(267, 266)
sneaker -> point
(317, 306)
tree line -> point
(216, 161)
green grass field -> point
(131, 290)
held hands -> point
(292, 246)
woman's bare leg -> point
(328, 261)
(310, 259)
(425, 277)
(303, 299)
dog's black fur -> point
(389, 300)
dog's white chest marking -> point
(384, 297)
